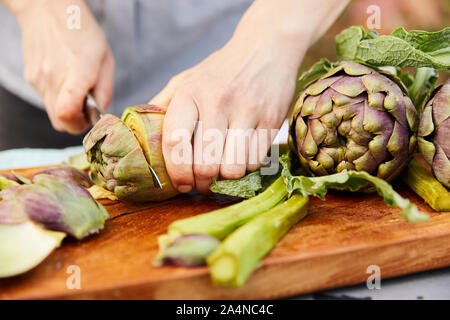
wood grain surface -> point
(331, 247)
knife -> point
(91, 109)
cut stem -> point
(219, 223)
(240, 253)
(422, 182)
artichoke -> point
(434, 133)
(121, 152)
(353, 118)
(56, 201)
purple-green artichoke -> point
(56, 201)
(121, 152)
(354, 118)
(36, 216)
(434, 133)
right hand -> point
(64, 64)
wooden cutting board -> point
(332, 247)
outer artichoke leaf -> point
(69, 173)
(7, 183)
(24, 246)
(347, 180)
(11, 212)
(316, 72)
(59, 204)
(79, 161)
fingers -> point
(208, 149)
(259, 146)
(236, 150)
(178, 128)
(70, 101)
(103, 91)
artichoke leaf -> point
(7, 183)
(401, 48)
(347, 180)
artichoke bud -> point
(434, 133)
(354, 118)
(120, 152)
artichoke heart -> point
(121, 151)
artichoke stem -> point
(422, 182)
(242, 251)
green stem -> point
(422, 182)
(240, 253)
(219, 223)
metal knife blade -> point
(155, 177)
(92, 109)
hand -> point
(245, 87)
(248, 84)
(64, 64)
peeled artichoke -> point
(120, 152)
(434, 133)
(354, 118)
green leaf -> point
(424, 80)
(313, 74)
(347, 180)
(401, 48)
(245, 187)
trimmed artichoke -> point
(121, 151)
(434, 133)
(353, 118)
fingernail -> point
(184, 188)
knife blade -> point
(155, 177)
(92, 110)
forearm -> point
(293, 24)
(19, 7)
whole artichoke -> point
(121, 151)
(354, 118)
(434, 133)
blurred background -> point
(411, 14)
